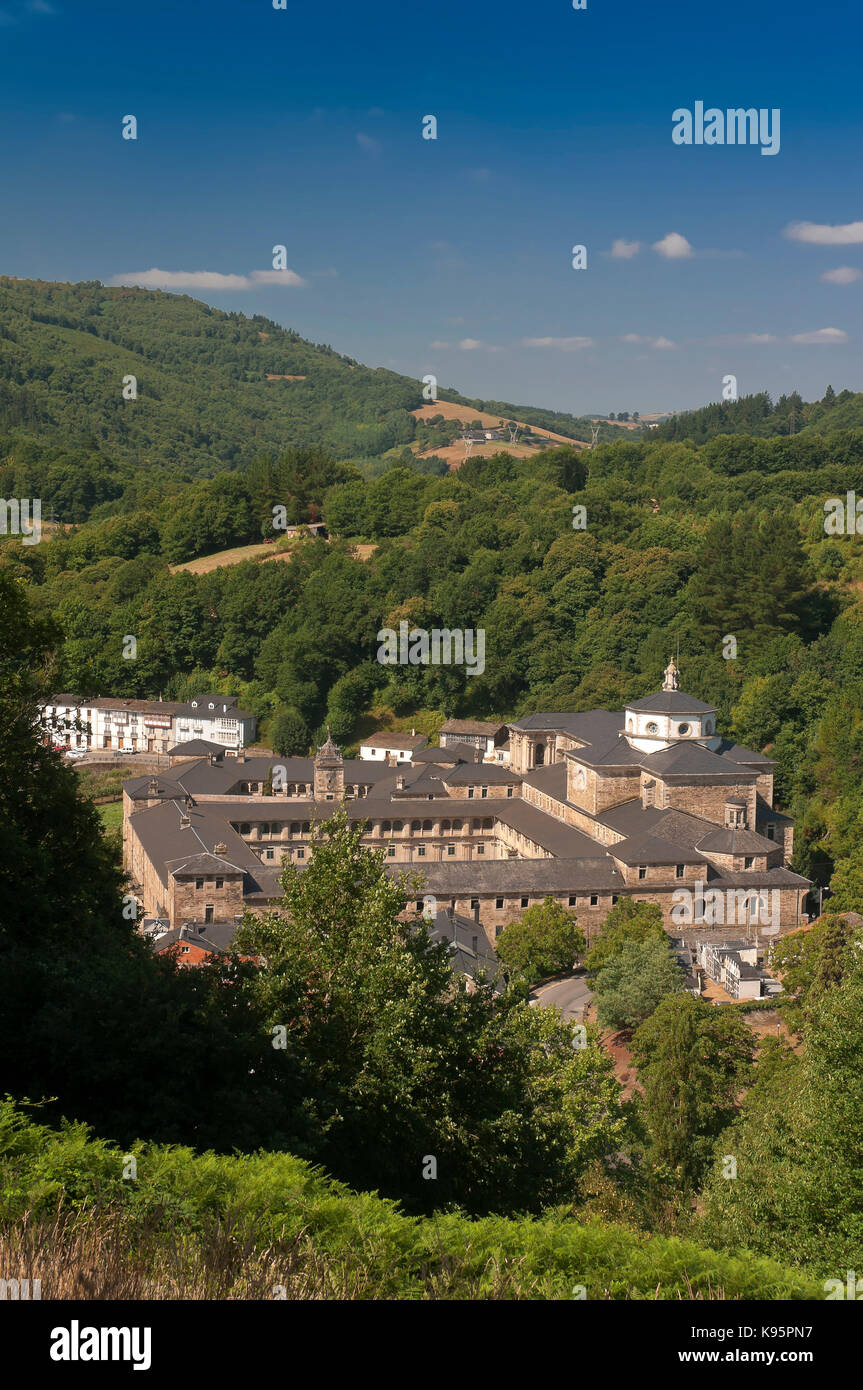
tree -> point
(692, 1061)
(634, 981)
(547, 940)
(400, 1060)
(628, 920)
(289, 734)
(798, 1193)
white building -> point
(216, 718)
(143, 726)
(381, 747)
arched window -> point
(457, 824)
(416, 827)
(487, 823)
(427, 827)
(295, 827)
(398, 826)
(445, 827)
(540, 755)
(387, 827)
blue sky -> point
(302, 127)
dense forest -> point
(760, 416)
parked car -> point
(76, 752)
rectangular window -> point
(509, 791)
(642, 871)
(301, 854)
(498, 902)
(480, 849)
(199, 883)
(572, 900)
(483, 791)
(470, 793)
(771, 831)
(421, 852)
(208, 912)
(391, 854)
(450, 849)
(269, 853)
(747, 863)
(613, 899)
(420, 904)
(679, 870)
(594, 899)
(220, 883)
(474, 904)
(525, 901)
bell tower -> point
(329, 772)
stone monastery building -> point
(652, 804)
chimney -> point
(220, 849)
(400, 784)
(185, 823)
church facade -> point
(651, 803)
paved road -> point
(570, 996)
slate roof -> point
(513, 877)
(471, 726)
(397, 741)
(460, 931)
(737, 841)
(693, 760)
(456, 753)
(195, 748)
(481, 774)
(589, 725)
(652, 850)
(551, 780)
(671, 702)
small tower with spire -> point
(329, 772)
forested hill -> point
(761, 416)
(213, 389)
(204, 401)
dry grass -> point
(97, 1256)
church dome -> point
(669, 716)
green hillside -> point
(762, 417)
(204, 402)
(213, 389)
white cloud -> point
(562, 344)
(439, 345)
(288, 279)
(661, 343)
(759, 338)
(821, 335)
(822, 234)
(470, 344)
(673, 247)
(842, 275)
(366, 143)
(624, 250)
(205, 279)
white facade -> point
(214, 718)
(143, 726)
